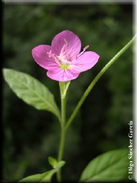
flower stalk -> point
(61, 149)
(63, 93)
(63, 90)
(86, 93)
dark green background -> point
(30, 136)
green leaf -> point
(40, 177)
(60, 164)
(64, 88)
(44, 177)
(52, 161)
(31, 91)
(55, 164)
(110, 166)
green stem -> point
(63, 131)
(61, 149)
(96, 79)
(63, 110)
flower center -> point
(64, 66)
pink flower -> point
(63, 59)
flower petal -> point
(62, 75)
(85, 62)
(72, 40)
(41, 57)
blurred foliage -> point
(30, 136)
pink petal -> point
(85, 62)
(41, 57)
(62, 75)
(73, 41)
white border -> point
(135, 53)
(135, 92)
(69, 1)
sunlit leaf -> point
(43, 177)
(31, 91)
(110, 166)
(39, 177)
(60, 164)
